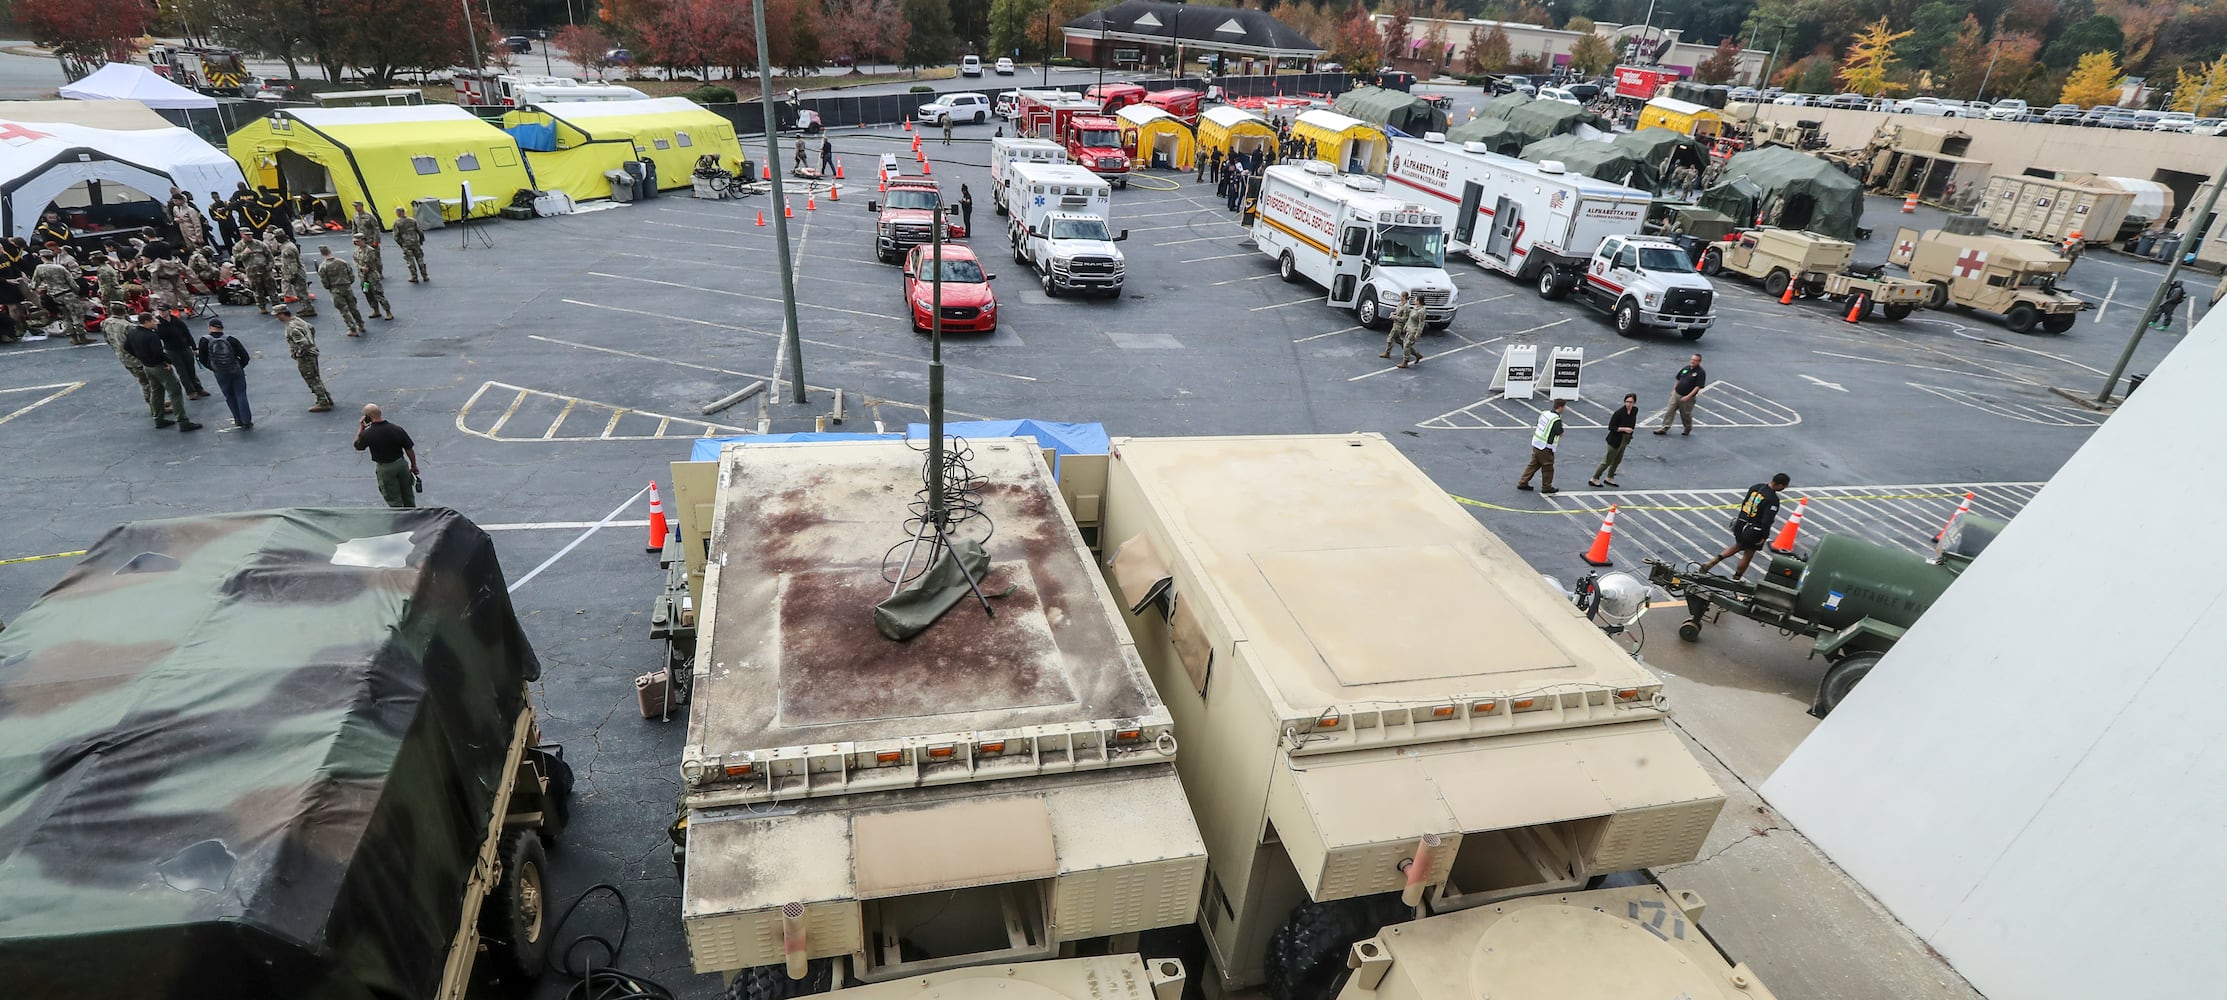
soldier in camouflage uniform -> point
(114, 329)
(411, 239)
(168, 282)
(1407, 324)
(293, 275)
(301, 342)
(255, 263)
(365, 225)
(339, 280)
(108, 283)
(59, 285)
(373, 273)
(204, 271)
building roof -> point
(1222, 29)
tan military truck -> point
(1095, 977)
(1384, 712)
(1815, 266)
(1998, 274)
(995, 789)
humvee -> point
(2000, 274)
(1813, 264)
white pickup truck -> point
(1643, 281)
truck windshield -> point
(1411, 246)
(1663, 259)
(953, 270)
(1079, 229)
(1098, 138)
(2041, 279)
(922, 200)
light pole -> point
(1994, 52)
(789, 337)
(2157, 298)
(1647, 32)
(1175, 38)
(471, 35)
(1048, 45)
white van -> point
(970, 66)
(1365, 247)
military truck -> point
(1814, 266)
(1462, 737)
(1999, 274)
(1096, 977)
(285, 753)
(992, 790)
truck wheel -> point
(1051, 288)
(1550, 283)
(515, 917)
(1897, 312)
(1689, 630)
(1775, 282)
(556, 794)
(1627, 318)
(1122, 184)
(2021, 318)
(2059, 322)
(1286, 268)
(1712, 263)
(1306, 956)
(1019, 257)
(772, 982)
(981, 116)
(1841, 679)
(1940, 295)
(1366, 312)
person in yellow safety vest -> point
(1544, 438)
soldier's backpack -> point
(222, 359)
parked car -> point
(618, 57)
(1848, 100)
(2009, 109)
(1743, 93)
(1794, 100)
(2175, 121)
(2210, 126)
(2063, 114)
(1007, 101)
(519, 44)
(1933, 106)
(970, 66)
(1004, 67)
(965, 106)
(969, 306)
(1558, 94)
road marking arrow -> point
(1835, 386)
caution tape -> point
(50, 555)
(1466, 501)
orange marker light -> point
(888, 757)
(1523, 703)
(737, 770)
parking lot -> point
(555, 367)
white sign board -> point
(1519, 371)
(1565, 367)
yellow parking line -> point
(508, 413)
(613, 423)
(551, 433)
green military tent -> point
(1394, 108)
(1539, 119)
(1599, 160)
(1790, 190)
(1495, 133)
(1504, 105)
(1661, 150)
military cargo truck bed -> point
(794, 682)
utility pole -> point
(2157, 298)
(1048, 46)
(1995, 51)
(471, 35)
(936, 512)
(789, 338)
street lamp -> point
(1175, 37)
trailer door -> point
(1465, 221)
(1507, 217)
(1348, 265)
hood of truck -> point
(1064, 249)
(1090, 156)
(1667, 280)
(906, 215)
(1415, 279)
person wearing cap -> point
(227, 359)
(301, 344)
(411, 238)
(177, 345)
(339, 280)
(145, 344)
(374, 275)
(60, 287)
(366, 225)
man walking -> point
(146, 345)
(1544, 438)
(60, 288)
(1752, 525)
(801, 161)
(1620, 425)
(374, 275)
(827, 157)
(301, 344)
(947, 130)
(293, 275)
(339, 280)
(366, 225)
(116, 329)
(2175, 294)
(394, 457)
(411, 238)
(177, 345)
(254, 258)
(1684, 390)
(966, 209)
(1407, 324)
(226, 359)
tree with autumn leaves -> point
(2204, 92)
(84, 33)
(1869, 59)
(2094, 82)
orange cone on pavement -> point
(1856, 308)
(1701, 263)
(809, 205)
(1787, 297)
(1598, 554)
(1785, 541)
(838, 170)
(1909, 203)
(761, 218)
(658, 528)
(835, 192)
(1961, 510)
(787, 211)
(925, 168)
(916, 144)
(769, 171)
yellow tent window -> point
(683, 139)
(661, 144)
(425, 165)
(467, 162)
(504, 156)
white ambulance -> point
(1511, 215)
(1366, 247)
(1006, 150)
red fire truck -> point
(1640, 83)
(1092, 140)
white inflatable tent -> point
(40, 161)
(133, 82)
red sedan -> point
(969, 306)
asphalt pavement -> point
(554, 367)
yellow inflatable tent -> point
(1150, 132)
(1233, 130)
(591, 137)
(1350, 144)
(384, 157)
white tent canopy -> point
(133, 82)
(41, 160)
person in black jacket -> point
(177, 345)
(227, 359)
(145, 346)
(1752, 525)
(1620, 424)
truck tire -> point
(2021, 318)
(1840, 679)
(1123, 183)
(1690, 630)
(1551, 287)
(515, 918)
(1940, 295)
(1627, 319)
(772, 982)
(556, 795)
(1018, 256)
(1051, 288)
(1775, 282)
(1306, 956)
(1897, 312)
(1368, 312)
(1712, 262)
(981, 116)
(2058, 322)
(1287, 269)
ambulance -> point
(1345, 233)
(1006, 150)
(1511, 215)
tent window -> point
(661, 144)
(683, 139)
(426, 164)
(467, 162)
(503, 156)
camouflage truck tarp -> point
(1496, 134)
(1659, 150)
(1504, 105)
(1599, 160)
(1396, 108)
(254, 755)
(1542, 119)
(1790, 190)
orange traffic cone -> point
(809, 206)
(1785, 541)
(658, 529)
(1787, 297)
(838, 170)
(761, 218)
(787, 211)
(916, 144)
(769, 171)
(1961, 510)
(835, 192)
(1909, 203)
(882, 187)
(1701, 263)
(1598, 554)
(925, 168)
(1856, 308)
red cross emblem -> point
(1905, 248)
(10, 131)
(1969, 263)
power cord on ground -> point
(594, 978)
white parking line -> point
(776, 336)
(1202, 239)
(1442, 354)
(1194, 260)
(1332, 333)
(742, 295)
(1256, 277)
(1283, 305)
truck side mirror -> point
(1123, 235)
(1035, 233)
(873, 207)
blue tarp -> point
(535, 138)
(1062, 438)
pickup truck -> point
(1645, 282)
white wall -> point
(2035, 779)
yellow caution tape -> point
(1458, 498)
(50, 555)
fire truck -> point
(1092, 140)
(1640, 83)
(210, 71)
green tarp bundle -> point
(254, 755)
(1395, 108)
(1596, 159)
(1789, 190)
(1659, 150)
(1495, 133)
(1504, 105)
(1541, 119)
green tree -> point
(1011, 22)
(2096, 34)
(1488, 50)
(1934, 27)
(2094, 81)
(1358, 44)
(1869, 58)
(1591, 55)
(931, 41)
